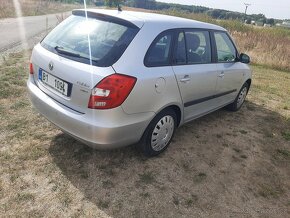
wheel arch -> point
(177, 111)
(249, 81)
(175, 108)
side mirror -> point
(245, 58)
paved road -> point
(10, 32)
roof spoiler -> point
(104, 17)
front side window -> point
(193, 47)
(90, 40)
(159, 52)
(226, 51)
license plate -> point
(54, 82)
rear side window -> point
(226, 51)
(193, 47)
(91, 40)
(159, 53)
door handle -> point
(185, 79)
(222, 74)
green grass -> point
(190, 201)
(200, 177)
(145, 195)
(284, 153)
(20, 104)
(107, 184)
(270, 191)
(103, 204)
(243, 132)
(24, 197)
(147, 178)
(286, 135)
(270, 88)
(17, 124)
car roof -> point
(154, 19)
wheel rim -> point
(242, 97)
(162, 133)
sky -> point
(279, 9)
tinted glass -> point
(180, 56)
(84, 40)
(159, 52)
(226, 51)
(198, 47)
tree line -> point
(155, 5)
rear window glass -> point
(90, 40)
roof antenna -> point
(119, 7)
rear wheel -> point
(240, 99)
(159, 133)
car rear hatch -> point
(75, 56)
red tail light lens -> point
(31, 68)
(111, 92)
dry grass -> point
(264, 48)
(271, 90)
(34, 7)
(224, 164)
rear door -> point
(195, 72)
(230, 71)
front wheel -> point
(159, 133)
(240, 99)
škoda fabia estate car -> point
(111, 78)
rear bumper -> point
(100, 129)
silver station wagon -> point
(111, 78)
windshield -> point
(90, 40)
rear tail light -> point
(111, 92)
(31, 68)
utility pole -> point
(247, 5)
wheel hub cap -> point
(242, 97)
(162, 133)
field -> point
(222, 165)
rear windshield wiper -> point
(62, 50)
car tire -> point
(240, 99)
(159, 133)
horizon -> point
(278, 9)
